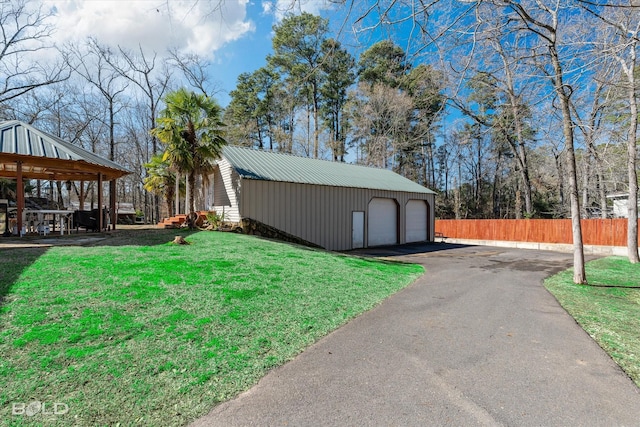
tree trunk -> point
(602, 192)
(259, 129)
(177, 198)
(431, 163)
(316, 126)
(292, 122)
(586, 171)
(495, 197)
(632, 226)
(557, 156)
(112, 156)
(169, 197)
(579, 274)
(589, 137)
(308, 148)
(60, 199)
(456, 200)
(192, 188)
(187, 196)
(518, 203)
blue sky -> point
(245, 54)
(235, 36)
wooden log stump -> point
(179, 240)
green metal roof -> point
(23, 139)
(270, 166)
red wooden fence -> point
(601, 232)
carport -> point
(29, 153)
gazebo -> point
(29, 153)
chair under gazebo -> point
(29, 153)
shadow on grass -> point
(598, 285)
(20, 253)
(144, 237)
(13, 261)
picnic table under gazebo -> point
(29, 153)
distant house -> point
(334, 205)
(620, 205)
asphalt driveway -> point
(476, 341)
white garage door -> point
(383, 222)
(416, 221)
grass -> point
(609, 309)
(141, 331)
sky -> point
(233, 35)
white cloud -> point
(280, 8)
(198, 26)
(267, 7)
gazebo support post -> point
(100, 216)
(112, 203)
(81, 201)
(19, 196)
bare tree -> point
(622, 44)
(25, 34)
(139, 69)
(194, 69)
(500, 74)
(544, 22)
(381, 118)
(516, 107)
(589, 123)
(94, 67)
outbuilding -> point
(30, 153)
(337, 206)
(621, 205)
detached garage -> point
(337, 206)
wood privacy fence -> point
(601, 232)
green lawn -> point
(609, 310)
(138, 330)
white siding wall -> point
(621, 208)
(319, 214)
(226, 185)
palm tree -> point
(161, 180)
(192, 130)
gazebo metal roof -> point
(45, 156)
